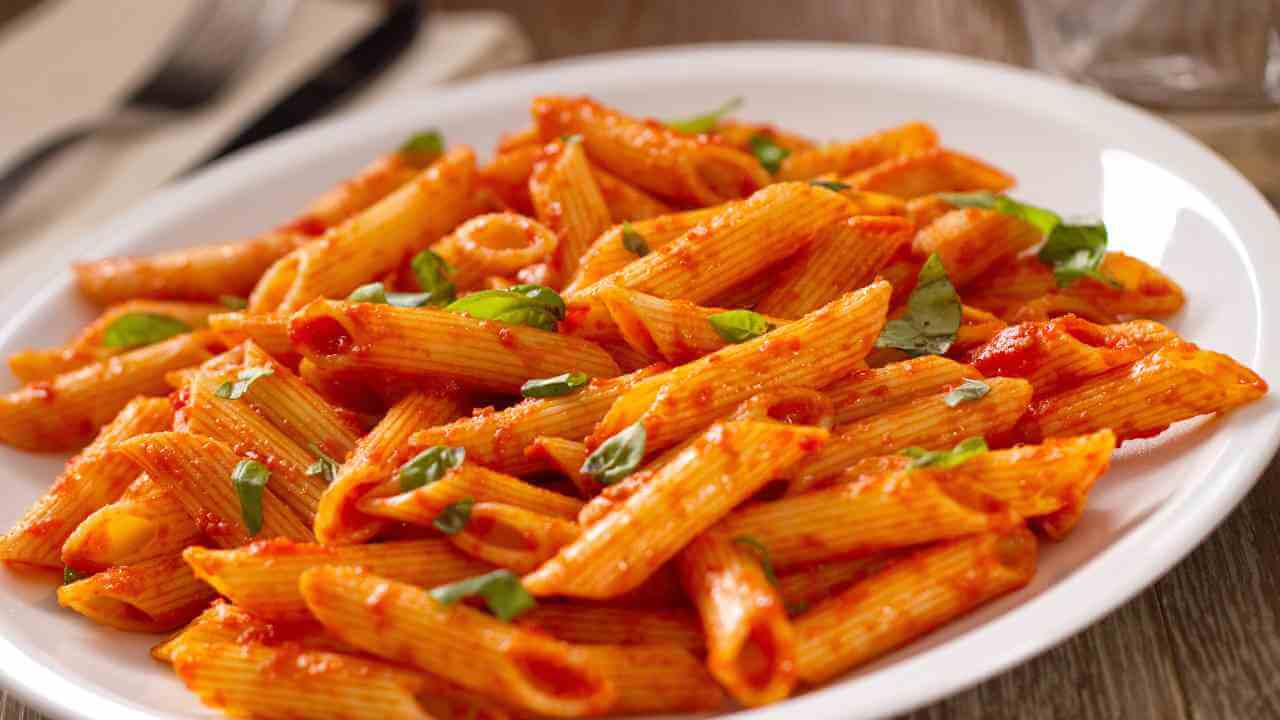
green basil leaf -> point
(69, 576)
(501, 590)
(761, 552)
(946, 459)
(249, 478)
(769, 153)
(236, 390)
(324, 466)
(831, 185)
(571, 139)
(138, 329)
(706, 122)
(738, 326)
(424, 147)
(1076, 251)
(618, 457)
(233, 302)
(933, 315)
(376, 293)
(634, 241)
(1043, 220)
(554, 386)
(454, 517)
(433, 274)
(532, 305)
(968, 390)
(430, 465)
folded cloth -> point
(90, 52)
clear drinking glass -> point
(1174, 54)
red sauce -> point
(322, 334)
(308, 225)
(554, 678)
(43, 389)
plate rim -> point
(1164, 535)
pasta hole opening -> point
(322, 334)
(758, 659)
(557, 678)
(1016, 551)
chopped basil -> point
(738, 326)
(433, 273)
(933, 315)
(236, 390)
(501, 590)
(554, 386)
(769, 153)
(424, 147)
(69, 576)
(454, 517)
(376, 292)
(831, 185)
(137, 329)
(1072, 251)
(706, 122)
(945, 459)
(761, 552)
(430, 465)
(532, 305)
(1076, 251)
(233, 302)
(968, 390)
(324, 466)
(249, 478)
(618, 457)
(571, 139)
(634, 241)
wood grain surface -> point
(1203, 642)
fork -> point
(217, 38)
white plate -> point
(1164, 197)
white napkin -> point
(66, 61)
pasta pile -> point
(639, 417)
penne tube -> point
(674, 331)
(223, 622)
(790, 405)
(198, 471)
(658, 159)
(565, 457)
(89, 345)
(1056, 354)
(94, 478)
(525, 670)
(66, 412)
(507, 176)
(608, 253)
(263, 577)
(625, 201)
(338, 521)
(977, 327)
(927, 422)
(567, 200)
(851, 156)
(269, 331)
(750, 642)
(495, 244)
(803, 587)
(481, 354)
(738, 134)
(909, 599)
(373, 242)
(287, 402)
(655, 679)
(741, 241)
(1047, 307)
(925, 209)
(131, 530)
(970, 241)
(1176, 382)
(882, 512)
(469, 480)
(513, 538)
(153, 596)
(726, 466)
(870, 392)
(591, 624)
(844, 257)
(812, 352)
(1140, 289)
(230, 676)
(927, 172)
(1147, 334)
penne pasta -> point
(594, 624)
(970, 241)
(870, 392)
(674, 331)
(512, 537)
(565, 457)
(1055, 355)
(567, 200)
(609, 253)
(269, 331)
(626, 201)
(495, 244)
(152, 596)
(848, 157)
(140, 526)
(421, 505)
(929, 171)
(619, 551)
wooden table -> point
(1204, 642)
